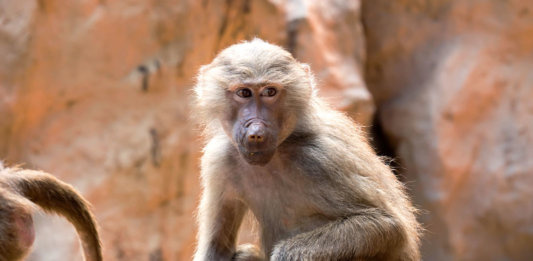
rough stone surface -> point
(453, 84)
(96, 92)
(329, 36)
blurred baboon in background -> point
(19, 190)
(317, 189)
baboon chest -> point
(283, 201)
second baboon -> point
(20, 189)
(317, 189)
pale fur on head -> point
(254, 61)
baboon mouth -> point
(258, 157)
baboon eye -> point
(245, 93)
(269, 92)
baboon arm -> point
(220, 218)
(368, 234)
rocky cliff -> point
(453, 83)
(97, 92)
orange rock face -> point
(453, 84)
(97, 92)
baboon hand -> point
(248, 252)
(282, 252)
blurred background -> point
(97, 92)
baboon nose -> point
(255, 138)
(256, 133)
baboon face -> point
(255, 120)
(257, 91)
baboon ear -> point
(306, 68)
(309, 74)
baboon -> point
(317, 189)
(19, 190)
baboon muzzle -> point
(255, 133)
(258, 143)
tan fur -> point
(325, 194)
(19, 190)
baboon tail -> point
(58, 197)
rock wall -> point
(97, 92)
(453, 84)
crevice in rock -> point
(225, 18)
(184, 164)
(292, 35)
(156, 255)
(155, 148)
(383, 147)
(144, 72)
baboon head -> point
(256, 91)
